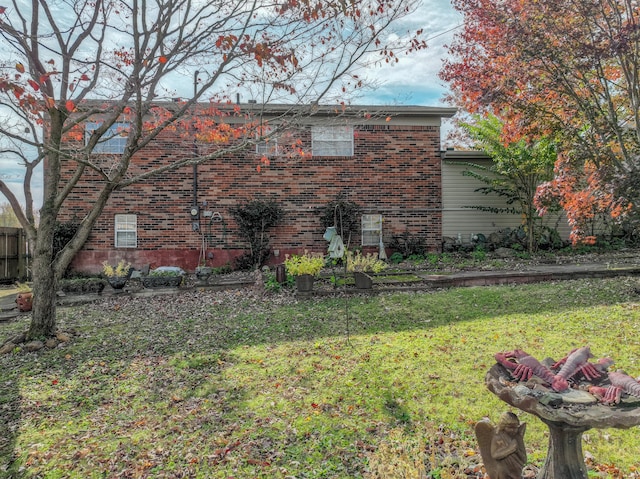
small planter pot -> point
(117, 282)
(161, 281)
(363, 280)
(24, 301)
(304, 282)
(203, 273)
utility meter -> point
(194, 211)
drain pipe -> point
(195, 165)
(195, 217)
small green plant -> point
(307, 263)
(432, 259)
(415, 258)
(368, 263)
(121, 269)
(164, 274)
(224, 269)
(271, 283)
(396, 258)
(479, 255)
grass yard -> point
(232, 385)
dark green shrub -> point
(408, 244)
(253, 220)
(396, 258)
(344, 215)
(62, 234)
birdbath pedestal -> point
(566, 423)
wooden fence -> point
(13, 255)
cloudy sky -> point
(412, 81)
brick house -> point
(386, 159)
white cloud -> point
(414, 79)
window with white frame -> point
(371, 230)
(332, 140)
(126, 231)
(267, 145)
(114, 139)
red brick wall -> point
(395, 171)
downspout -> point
(195, 147)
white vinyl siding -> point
(126, 231)
(332, 140)
(458, 194)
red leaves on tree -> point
(557, 68)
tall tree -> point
(65, 62)
(561, 67)
(518, 169)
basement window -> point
(332, 140)
(371, 230)
(126, 231)
(114, 139)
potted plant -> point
(362, 265)
(203, 272)
(163, 277)
(118, 275)
(304, 268)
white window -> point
(371, 230)
(267, 146)
(114, 139)
(332, 140)
(126, 228)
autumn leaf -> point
(2, 10)
(20, 67)
(162, 59)
(70, 105)
(33, 85)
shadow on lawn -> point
(10, 419)
(130, 353)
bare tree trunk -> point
(43, 319)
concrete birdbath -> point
(567, 414)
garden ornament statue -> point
(336, 246)
(570, 396)
(502, 446)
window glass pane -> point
(113, 141)
(371, 230)
(267, 146)
(332, 140)
(126, 229)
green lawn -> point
(222, 385)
